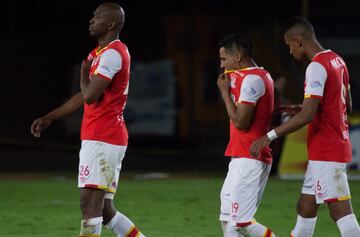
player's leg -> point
(91, 186)
(91, 205)
(225, 203)
(337, 196)
(341, 212)
(116, 222)
(113, 220)
(306, 208)
(252, 176)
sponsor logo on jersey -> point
(249, 90)
(106, 68)
(316, 84)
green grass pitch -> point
(174, 207)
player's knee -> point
(307, 207)
(109, 210)
(339, 209)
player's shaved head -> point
(114, 13)
(299, 27)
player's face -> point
(228, 61)
(295, 47)
(98, 24)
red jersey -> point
(103, 120)
(253, 86)
(327, 79)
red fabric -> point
(328, 134)
(244, 224)
(240, 141)
(133, 233)
(103, 120)
(268, 232)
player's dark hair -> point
(299, 21)
(234, 42)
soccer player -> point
(327, 100)
(104, 86)
(248, 94)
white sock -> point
(123, 226)
(304, 227)
(91, 227)
(229, 230)
(256, 230)
(348, 226)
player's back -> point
(103, 120)
(328, 137)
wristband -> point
(272, 135)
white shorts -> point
(100, 165)
(327, 181)
(242, 190)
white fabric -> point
(252, 89)
(110, 63)
(326, 180)
(242, 190)
(100, 165)
(304, 227)
(91, 227)
(121, 225)
(255, 230)
(315, 78)
(348, 226)
(229, 230)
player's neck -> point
(314, 49)
(107, 39)
(249, 62)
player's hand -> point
(290, 110)
(258, 145)
(39, 125)
(223, 83)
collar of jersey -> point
(325, 51)
(98, 50)
(242, 69)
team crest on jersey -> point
(96, 60)
(232, 80)
(316, 84)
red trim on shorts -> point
(94, 186)
(268, 233)
(133, 232)
(244, 224)
(342, 198)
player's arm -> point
(349, 100)
(93, 86)
(242, 114)
(299, 120)
(73, 104)
(91, 89)
(316, 77)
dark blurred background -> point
(175, 116)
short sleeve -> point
(315, 78)
(252, 89)
(110, 63)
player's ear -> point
(112, 25)
(298, 42)
(238, 57)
